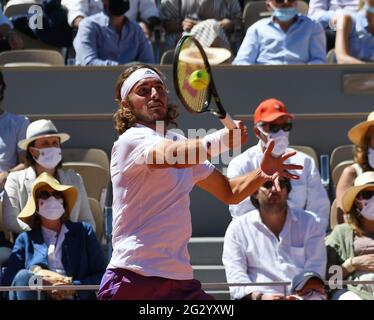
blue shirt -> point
(98, 43)
(266, 43)
(361, 41)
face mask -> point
(281, 141)
(118, 7)
(367, 210)
(314, 295)
(49, 158)
(51, 208)
(371, 157)
(284, 14)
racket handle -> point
(228, 122)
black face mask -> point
(118, 7)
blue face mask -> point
(369, 9)
(284, 14)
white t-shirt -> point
(12, 130)
(151, 217)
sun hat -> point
(269, 110)
(365, 181)
(215, 55)
(40, 129)
(358, 132)
(69, 192)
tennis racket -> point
(190, 56)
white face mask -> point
(49, 158)
(367, 210)
(371, 157)
(314, 295)
(51, 208)
(280, 138)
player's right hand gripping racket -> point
(190, 56)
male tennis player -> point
(151, 186)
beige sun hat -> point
(215, 55)
(70, 195)
(358, 132)
(41, 129)
(365, 181)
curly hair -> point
(355, 221)
(361, 151)
(124, 118)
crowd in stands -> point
(99, 32)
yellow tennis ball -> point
(199, 79)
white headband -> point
(135, 77)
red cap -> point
(269, 110)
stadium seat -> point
(330, 57)
(340, 154)
(8, 235)
(98, 215)
(309, 151)
(167, 57)
(18, 7)
(94, 176)
(92, 155)
(338, 170)
(333, 215)
(31, 57)
(256, 10)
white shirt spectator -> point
(252, 253)
(307, 193)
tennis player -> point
(153, 173)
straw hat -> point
(365, 181)
(41, 129)
(70, 195)
(358, 132)
(215, 55)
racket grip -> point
(228, 122)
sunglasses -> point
(44, 195)
(366, 194)
(283, 1)
(269, 184)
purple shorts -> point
(122, 284)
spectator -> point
(272, 243)
(287, 37)
(109, 38)
(351, 245)
(362, 135)
(10, 39)
(272, 121)
(210, 21)
(12, 130)
(43, 153)
(70, 249)
(143, 11)
(326, 12)
(355, 37)
(308, 285)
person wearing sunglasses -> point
(273, 121)
(287, 37)
(273, 243)
(68, 252)
(354, 37)
(350, 246)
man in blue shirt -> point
(109, 39)
(287, 37)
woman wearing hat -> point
(362, 135)
(69, 250)
(351, 245)
(43, 153)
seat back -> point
(340, 154)
(338, 170)
(18, 7)
(95, 177)
(309, 151)
(330, 57)
(256, 10)
(27, 57)
(98, 215)
(334, 214)
(167, 57)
